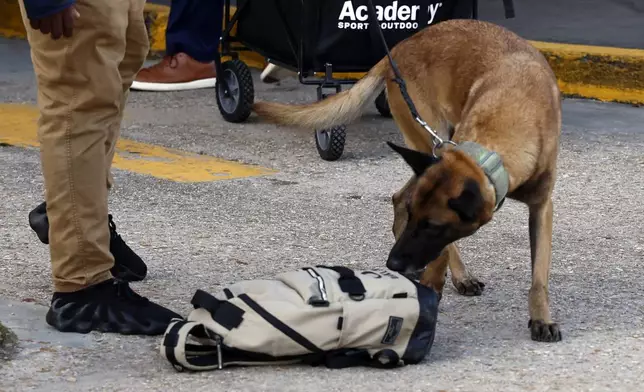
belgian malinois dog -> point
(481, 86)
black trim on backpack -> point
(224, 313)
(275, 322)
(229, 294)
(237, 355)
(350, 357)
(229, 316)
(170, 341)
(201, 299)
(349, 282)
(344, 358)
(422, 337)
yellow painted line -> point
(574, 49)
(602, 93)
(18, 128)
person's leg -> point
(128, 265)
(79, 96)
(192, 42)
(71, 144)
(136, 51)
(273, 73)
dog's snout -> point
(396, 264)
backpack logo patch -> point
(393, 330)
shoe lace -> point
(167, 61)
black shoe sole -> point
(108, 307)
(102, 326)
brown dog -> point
(493, 94)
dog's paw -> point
(544, 332)
(469, 286)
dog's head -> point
(450, 199)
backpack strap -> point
(349, 282)
(223, 313)
(279, 325)
(190, 356)
(352, 357)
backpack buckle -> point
(349, 283)
(219, 356)
(218, 343)
(353, 286)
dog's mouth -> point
(414, 273)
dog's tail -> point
(337, 109)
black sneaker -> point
(110, 306)
(128, 266)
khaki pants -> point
(83, 82)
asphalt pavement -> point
(587, 22)
(205, 235)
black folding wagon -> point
(313, 37)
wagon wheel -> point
(330, 142)
(236, 103)
(382, 105)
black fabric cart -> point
(320, 36)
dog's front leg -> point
(434, 274)
(542, 328)
(464, 282)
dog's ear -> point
(418, 161)
(468, 203)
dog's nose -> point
(395, 264)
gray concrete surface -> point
(588, 22)
(202, 236)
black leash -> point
(438, 142)
(398, 79)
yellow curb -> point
(11, 25)
(595, 72)
(19, 128)
(604, 73)
(156, 21)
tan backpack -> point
(330, 316)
